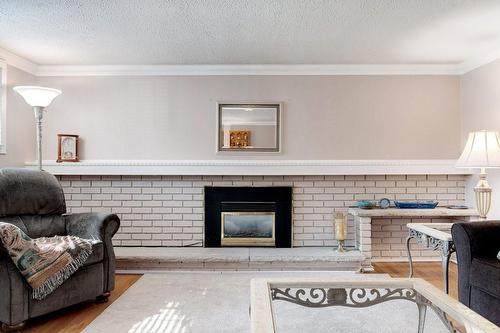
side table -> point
(363, 221)
(435, 236)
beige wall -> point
(480, 109)
(480, 99)
(325, 117)
(20, 122)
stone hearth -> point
(305, 258)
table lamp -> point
(39, 98)
(482, 151)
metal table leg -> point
(422, 305)
(446, 247)
(422, 311)
(408, 252)
(446, 253)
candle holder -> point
(340, 227)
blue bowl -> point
(416, 204)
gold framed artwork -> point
(67, 148)
(239, 139)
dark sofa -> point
(477, 245)
(34, 201)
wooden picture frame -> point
(67, 148)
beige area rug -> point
(212, 302)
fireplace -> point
(248, 216)
(248, 229)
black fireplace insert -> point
(248, 216)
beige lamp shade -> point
(482, 150)
(37, 96)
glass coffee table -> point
(358, 305)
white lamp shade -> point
(482, 150)
(37, 96)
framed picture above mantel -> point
(249, 127)
(67, 148)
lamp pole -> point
(38, 117)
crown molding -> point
(477, 62)
(252, 167)
(204, 70)
(18, 62)
(246, 69)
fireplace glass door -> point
(247, 229)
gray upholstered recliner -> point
(34, 201)
(477, 246)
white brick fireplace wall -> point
(168, 210)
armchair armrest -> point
(473, 240)
(101, 226)
(478, 239)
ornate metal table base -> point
(359, 298)
(445, 247)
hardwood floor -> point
(429, 271)
(76, 318)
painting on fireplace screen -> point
(247, 229)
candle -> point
(340, 226)
(340, 230)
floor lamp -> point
(39, 98)
(481, 151)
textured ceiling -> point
(96, 32)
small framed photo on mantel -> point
(67, 148)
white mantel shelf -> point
(252, 167)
